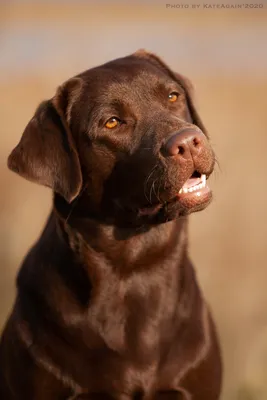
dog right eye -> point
(112, 123)
(173, 96)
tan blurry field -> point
(229, 239)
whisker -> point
(150, 194)
(158, 190)
(147, 180)
(218, 164)
(154, 187)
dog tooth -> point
(191, 189)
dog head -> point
(122, 143)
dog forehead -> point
(124, 78)
(126, 67)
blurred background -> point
(223, 51)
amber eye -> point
(112, 122)
(173, 97)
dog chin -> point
(179, 205)
(150, 215)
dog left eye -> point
(112, 122)
(173, 96)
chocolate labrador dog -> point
(108, 306)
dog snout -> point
(185, 144)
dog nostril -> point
(196, 141)
(180, 149)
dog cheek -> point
(97, 166)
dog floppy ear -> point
(182, 80)
(46, 153)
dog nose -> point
(186, 144)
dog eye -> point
(173, 96)
(112, 123)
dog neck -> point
(127, 272)
(126, 250)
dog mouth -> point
(194, 194)
(196, 183)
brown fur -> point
(108, 306)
